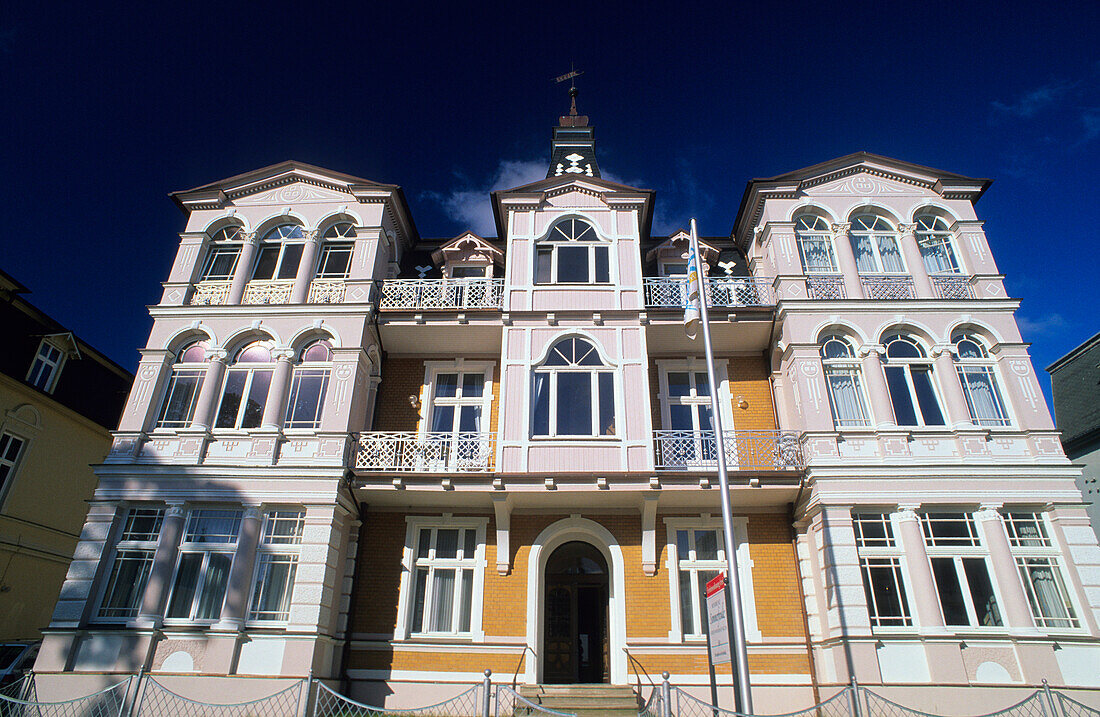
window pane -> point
(885, 591)
(573, 264)
(221, 264)
(284, 527)
(574, 414)
(180, 398)
(335, 260)
(603, 271)
(981, 591)
(419, 591)
(274, 582)
(926, 397)
(231, 399)
(607, 404)
(678, 385)
(891, 257)
(846, 397)
(703, 577)
(467, 601)
(982, 397)
(541, 402)
(307, 394)
(702, 384)
(682, 545)
(904, 411)
(469, 547)
(443, 419)
(469, 419)
(680, 417)
(143, 524)
(213, 588)
(292, 255)
(443, 594)
(446, 543)
(265, 265)
(686, 621)
(213, 526)
(425, 544)
(473, 385)
(446, 385)
(543, 261)
(706, 545)
(865, 256)
(950, 592)
(187, 582)
(126, 586)
(257, 398)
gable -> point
(866, 184)
(295, 192)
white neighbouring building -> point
(395, 462)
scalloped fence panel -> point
(329, 703)
(108, 702)
(156, 700)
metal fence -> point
(144, 696)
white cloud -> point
(1031, 103)
(469, 204)
(1042, 325)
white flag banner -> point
(691, 300)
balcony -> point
(268, 291)
(210, 293)
(326, 291)
(952, 287)
(887, 288)
(442, 294)
(668, 292)
(411, 452)
(825, 286)
(745, 450)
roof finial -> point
(580, 121)
(573, 92)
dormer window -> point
(281, 252)
(46, 367)
(572, 253)
(675, 269)
(469, 272)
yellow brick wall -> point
(401, 378)
(748, 378)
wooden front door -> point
(576, 643)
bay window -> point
(960, 567)
(573, 392)
(280, 253)
(1040, 571)
(880, 565)
(130, 564)
(182, 391)
(934, 240)
(844, 381)
(875, 246)
(572, 253)
(909, 381)
(815, 245)
(202, 567)
(308, 386)
(276, 565)
(244, 391)
(979, 382)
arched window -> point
(308, 386)
(572, 253)
(909, 380)
(934, 239)
(244, 392)
(280, 253)
(223, 254)
(335, 260)
(875, 245)
(815, 244)
(182, 392)
(842, 375)
(979, 381)
(573, 392)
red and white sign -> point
(716, 621)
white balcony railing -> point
(326, 291)
(408, 451)
(442, 293)
(825, 286)
(888, 288)
(210, 293)
(745, 450)
(952, 287)
(268, 291)
(721, 291)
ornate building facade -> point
(395, 462)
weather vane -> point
(573, 73)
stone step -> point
(599, 700)
(577, 690)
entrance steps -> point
(584, 700)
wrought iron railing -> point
(268, 291)
(952, 287)
(408, 451)
(210, 293)
(745, 450)
(326, 291)
(884, 287)
(825, 286)
(413, 294)
(721, 291)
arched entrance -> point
(576, 637)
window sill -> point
(575, 439)
(434, 638)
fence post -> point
(856, 710)
(1054, 709)
(487, 686)
(666, 695)
(28, 685)
(303, 710)
(137, 691)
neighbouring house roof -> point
(1075, 383)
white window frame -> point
(945, 237)
(282, 241)
(11, 464)
(815, 235)
(274, 546)
(249, 369)
(1050, 552)
(432, 371)
(206, 549)
(406, 600)
(985, 365)
(845, 366)
(46, 364)
(873, 237)
(977, 548)
(486, 269)
(552, 372)
(555, 241)
(725, 403)
(744, 571)
(299, 371)
(120, 544)
(907, 365)
(890, 550)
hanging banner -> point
(716, 621)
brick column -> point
(925, 601)
(914, 261)
(1017, 612)
(153, 603)
(206, 405)
(881, 409)
(276, 394)
(244, 266)
(239, 585)
(305, 273)
(958, 413)
(846, 260)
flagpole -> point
(736, 625)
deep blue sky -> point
(107, 110)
